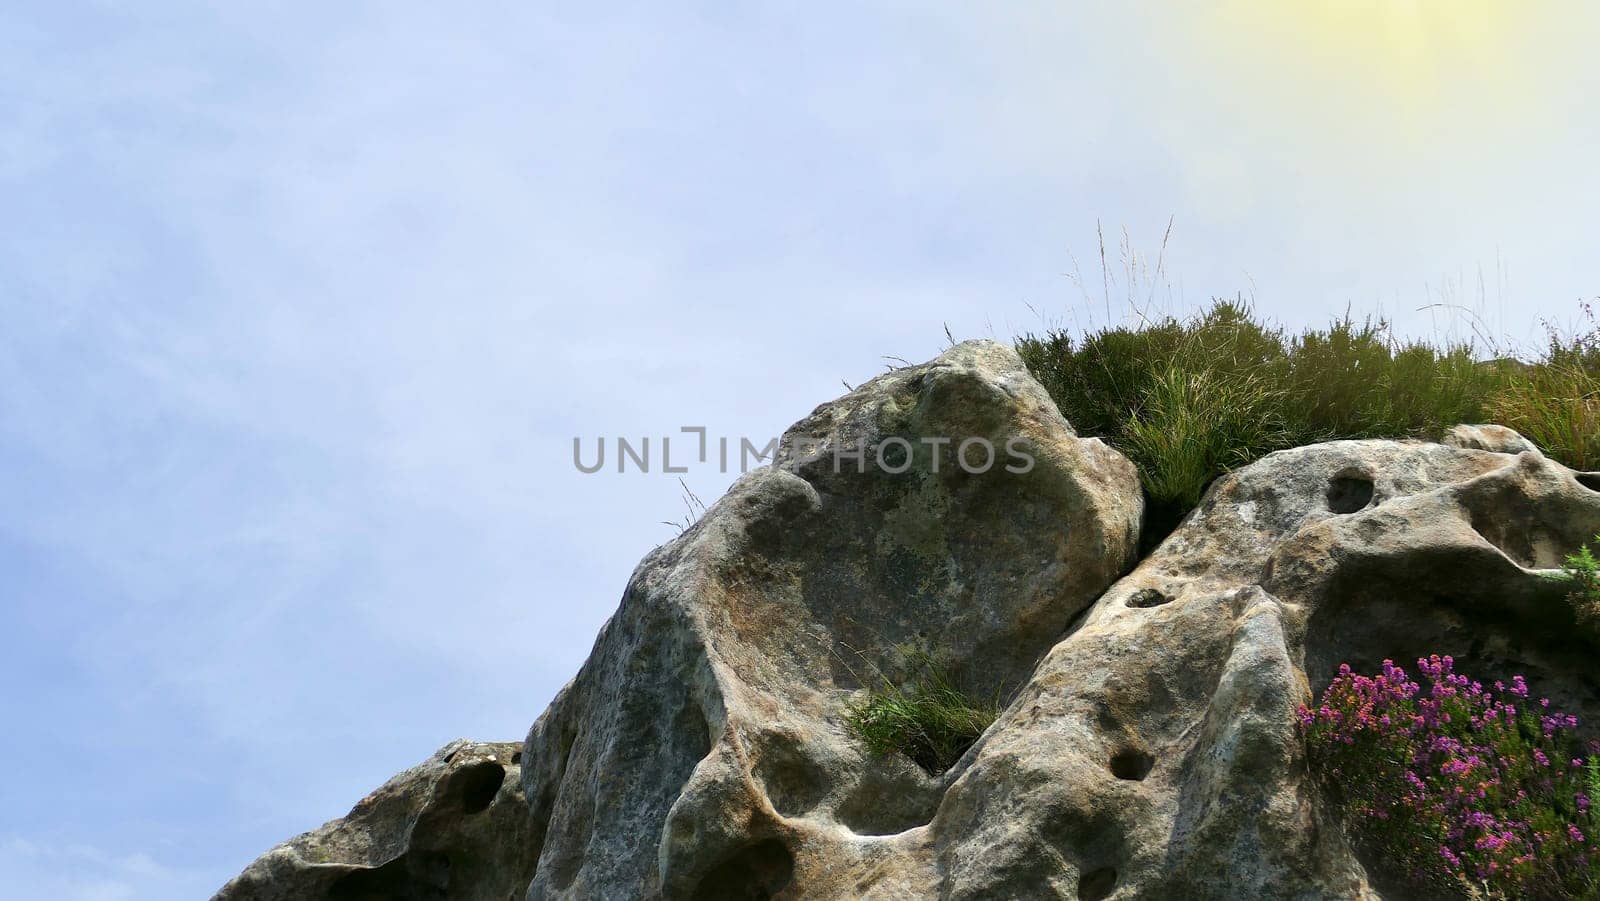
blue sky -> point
(301, 306)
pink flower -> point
(1454, 761)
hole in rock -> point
(1347, 494)
(935, 760)
(1161, 518)
(756, 873)
(1097, 884)
(1131, 763)
(1589, 480)
(792, 782)
(477, 784)
(889, 804)
(1148, 597)
(516, 759)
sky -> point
(302, 306)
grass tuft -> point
(1193, 424)
(930, 721)
(1189, 399)
(1557, 406)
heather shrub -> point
(1355, 380)
(1582, 572)
(1456, 787)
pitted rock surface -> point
(702, 752)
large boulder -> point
(702, 750)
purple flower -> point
(1454, 761)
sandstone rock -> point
(456, 827)
(1496, 438)
(702, 752)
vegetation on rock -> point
(1582, 571)
(1190, 399)
(1458, 787)
(931, 721)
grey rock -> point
(1489, 437)
(702, 752)
(456, 826)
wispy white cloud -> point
(36, 869)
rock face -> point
(1148, 746)
(455, 826)
(1154, 752)
(702, 751)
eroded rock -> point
(701, 751)
(1340, 552)
(455, 826)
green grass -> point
(1192, 425)
(1190, 399)
(931, 721)
(1557, 406)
